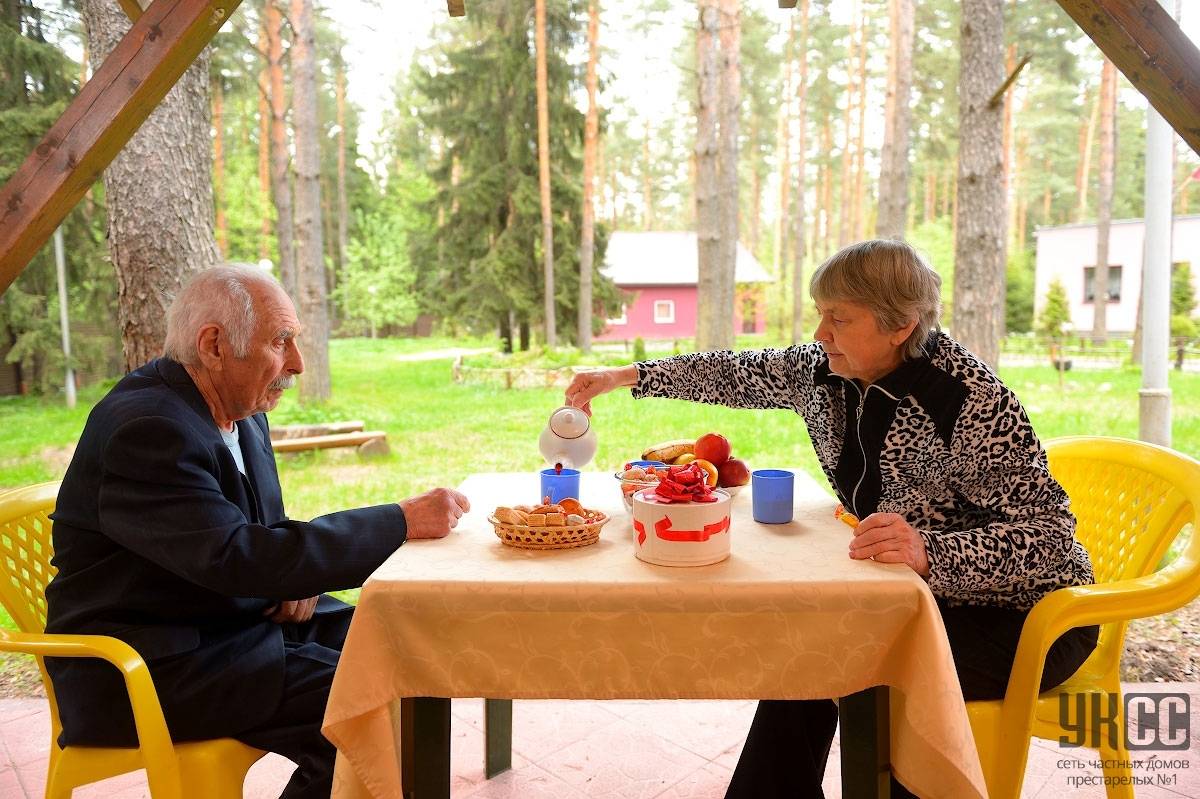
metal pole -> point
(1154, 399)
(60, 263)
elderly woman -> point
(925, 444)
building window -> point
(1114, 283)
(621, 318)
(664, 312)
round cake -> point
(673, 533)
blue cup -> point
(771, 495)
(559, 485)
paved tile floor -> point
(619, 750)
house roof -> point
(1040, 229)
(668, 258)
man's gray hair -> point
(892, 279)
(220, 295)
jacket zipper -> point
(862, 398)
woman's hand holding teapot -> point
(588, 385)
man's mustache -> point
(282, 383)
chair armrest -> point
(1082, 605)
(153, 737)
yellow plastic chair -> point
(212, 769)
(1131, 499)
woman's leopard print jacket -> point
(940, 441)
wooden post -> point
(1149, 47)
(100, 120)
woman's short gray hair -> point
(219, 295)
(889, 277)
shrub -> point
(639, 349)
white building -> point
(1068, 253)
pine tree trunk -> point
(930, 194)
(783, 214)
(647, 188)
(310, 247)
(281, 178)
(543, 123)
(264, 147)
(343, 201)
(782, 146)
(860, 147)
(894, 167)
(756, 190)
(800, 237)
(1047, 197)
(591, 132)
(846, 186)
(727, 168)
(980, 221)
(1108, 149)
(708, 213)
(827, 196)
(1083, 176)
(218, 179)
(159, 195)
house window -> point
(1114, 284)
(664, 312)
(621, 318)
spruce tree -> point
(480, 265)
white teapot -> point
(568, 439)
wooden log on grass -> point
(289, 431)
(327, 442)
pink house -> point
(658, 273)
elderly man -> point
(170, 534)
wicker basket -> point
(524, 537)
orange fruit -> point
(709, 470)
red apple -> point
(733, 472)
(712, 447)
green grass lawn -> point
(440, 431)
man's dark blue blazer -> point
(160, 541)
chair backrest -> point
(25, 552)
(1131, 500)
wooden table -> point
(788, 616)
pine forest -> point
(516, 141)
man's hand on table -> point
(888, 538)
(294, 611)
(435, 513)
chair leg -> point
(57, 789)
(1117, 772)
(56, 786)
(1005, 769)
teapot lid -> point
(568, 422)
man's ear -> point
(210, 347)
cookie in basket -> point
(561, 525)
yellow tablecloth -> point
(788, 616)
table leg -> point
(866, 744)
(425, 748)
(497, 736)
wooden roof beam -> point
(134, 8)
(109, 108)
(1150, 49)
